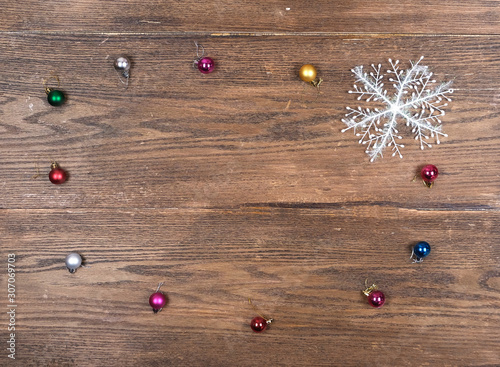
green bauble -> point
(56, 97)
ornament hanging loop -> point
(125, 75)
(268, 320)
(198, 56)
(47, 89)
(37, 167)
(414, 257)
(198, 50)
(37, 174)
(159, 286)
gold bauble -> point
(307, 73)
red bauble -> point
(258, 324)
(376, 299)
(57, 175)
(429, 173)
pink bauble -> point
(376, 299)
(429, 173)
(206, 65)
(157, 300)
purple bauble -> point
(206, 65)
(157, 300)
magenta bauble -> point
(429, 173)
(157, 301)
(206, 65)
(376, 299)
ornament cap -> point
(369, 290)
(316, 82)
(47, 89)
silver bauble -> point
(73, 262)
(122, 64)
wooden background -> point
(239, 184)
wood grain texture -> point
(227, 16)
(239, 184)
(304, 267)
(251, 133)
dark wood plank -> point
(227, 16)
(251, 133)
(304, 267)
(239, 184)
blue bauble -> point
(422, 249)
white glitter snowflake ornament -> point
(416, 101)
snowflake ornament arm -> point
(413, 102)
